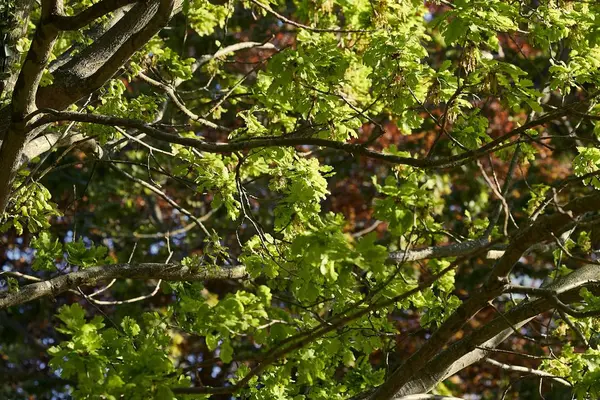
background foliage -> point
(383, 167)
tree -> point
(299, 200)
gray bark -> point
(465, 352)
(18, 30)
(77, 78)
(91, 276)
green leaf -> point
(212, 342)
(130, 327)
(72, 316)
(226, 352)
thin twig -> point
(132, 300)
(299, 25)
(164, 196)
(536, 372)
(179, 103)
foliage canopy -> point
(324, 199)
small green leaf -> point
(226, 352)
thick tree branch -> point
(87, 16)
(91, 276)
(352, 148)
(91, 58)
(94, 33)
(85, 73)
(473, 347)
(526, 237)
(168, 272)
(48, 141)
(92, 67)
(24, 95)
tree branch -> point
(530, 371)
(94, 33)
(168, 272)
(38, 55)
(232, 49)
(452, 250)
(24, 95)
(552, 296)
(524, 238)
(474, 347)
(97, 63)
(94, 275)
(46, 142)
(352, 148)
(170, 91)
(87, 16)
(299, 25)
(85, 73)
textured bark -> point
(466, 351)
(77, 78)
(21, 23)
(536, 232)
(72, 80)
(352, 148)
(87, 16)
(90, 69)
(94, 33)
(94, 275)
(24, 95)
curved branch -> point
(494, 286)
(299, 25)
(232, 49)
(170, 91)
(530, 371)
(94, 275)
(92, 67)
(352, 148)
(479, 344)
(87, 16)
